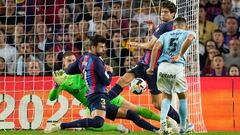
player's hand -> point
(108, 68)
(133, 44)
(149, 71)
(59, 76)
(176, 58)
(150, 25)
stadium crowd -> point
(35, 35)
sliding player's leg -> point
(124, 81)
(97, 105)
(140, 110)
(106, 127)
(131, 115)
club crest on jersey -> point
(76, 91)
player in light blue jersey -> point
(170, 75)
(172, 45)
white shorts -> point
(171, 78)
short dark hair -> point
(98, 5)
(218, 55)
(117, 2)
(203, 7)
(231, 18)
(94, 40)
(169, 5)
(180, 20)
(217, 31)
(233, 65)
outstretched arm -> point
(147, 45)
(155, 50)
(54, 92)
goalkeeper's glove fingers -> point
(59, 76)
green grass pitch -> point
(31, 132)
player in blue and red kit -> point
(98, 76)
(168, 10)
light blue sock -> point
(183, 112)
(165, 106)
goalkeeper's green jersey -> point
(76, 86)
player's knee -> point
(125, 80)
(157, 105)
(99, 121)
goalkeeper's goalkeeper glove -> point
(59, 76)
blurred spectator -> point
(25, 55)
(233, 70)
(48, 10)
(127, 9)
(218, 37)
(213, 8)
(129, 63)
(208, 64)
(34, 68)
(203, 57)
(43, 42)
(113, 23)
(101, 29)
(68, 58)
(203, 2)
(7, 52)
(116, 11)
(18, 35)
(135, 29)
(65, 17)
(10, 18)
(117, 53)
(2, 8)
(226, 6)
(88, 8)
(63, 44)
(218, 66)
(83, 29)
(232, 29)
(234, 56)
(145, 14)
(205, 27)
(79, 10)
(50, 63)
(75, 39)
(27, 8)
(97, 17)
(236, 7)
(3, 67)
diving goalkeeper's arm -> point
(73, 84)
(59, 77)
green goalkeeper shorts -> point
(117, 101)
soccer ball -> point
(138, 86)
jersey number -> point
(173, 45)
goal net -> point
(36, 36)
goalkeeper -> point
(76, 86)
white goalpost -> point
(35, 49)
